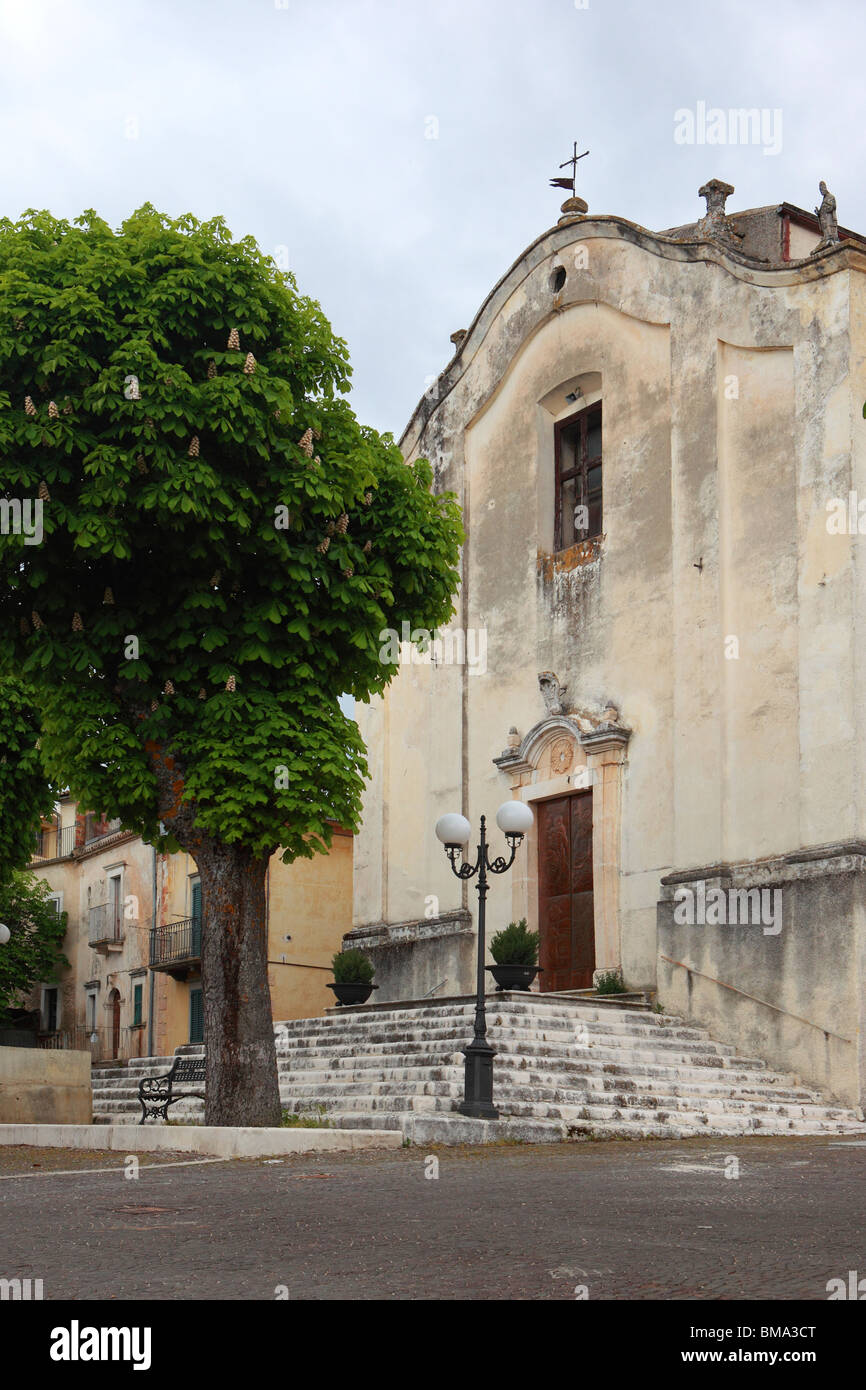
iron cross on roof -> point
(569, 183)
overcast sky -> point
(401, 150)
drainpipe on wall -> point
(151, 991)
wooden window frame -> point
(583, 418)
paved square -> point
(624, 1220)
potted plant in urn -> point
(515, 951)
(353, 977)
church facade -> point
(658, 444)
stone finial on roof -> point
(826, 215)
(572, 208)
(715, 226)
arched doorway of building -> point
(569, 768)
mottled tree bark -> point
(241, 1084)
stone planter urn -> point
(513, 976)
(348, 992)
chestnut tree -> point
(217, 547)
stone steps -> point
(342, 1111)
(419, 1127)
(314, 1068)
(334, 1094)
(566, 1068)
(544, 1085)
(519, 1007)
(288, 1037)
(527, 1071)
(564, 1037)
(519, 1085)
(152, 1066)
(421, 1053)
(606, 1029)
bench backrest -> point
(188, 1069)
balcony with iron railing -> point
(54, 842)
(105, 928)
(175, 947)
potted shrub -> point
(353, 977)
(515, 951)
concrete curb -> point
(203, 1139)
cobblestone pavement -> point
(624, 1220)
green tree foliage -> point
(25, 796)
(32, 953)
(191, 531)
(223, 543)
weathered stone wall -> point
(44, 1086)
(792, 996)
(413, 960)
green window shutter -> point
(196, 1016)
(195, 913)
(137, 1000)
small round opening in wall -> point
(557, 279)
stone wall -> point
(790, 992)
(413, 958)
(44, 1086)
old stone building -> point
(659, 636)
(133, 987)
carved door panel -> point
(565, 904)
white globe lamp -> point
(453, 830)
(514, 818)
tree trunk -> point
(242, 1086)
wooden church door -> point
(565, 906)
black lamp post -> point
(514, 818)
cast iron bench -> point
(156, 1093)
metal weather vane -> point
(569, 183)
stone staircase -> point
(567, 1067)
